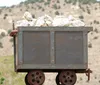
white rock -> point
(25, 23)
(77, 23)
(60, 21)
(32, 23)
(27, 16)
(21, 23)
(44, 21)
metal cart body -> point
(52, 48)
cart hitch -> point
(13, 33)
(88, 71)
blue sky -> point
(10, 2)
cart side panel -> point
(36, 47)
(69, 48)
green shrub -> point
(11, 40)
(95, 8)
(81, 17)
(62, 13)
(41, 1)
(5, 16)
(27, 7)
(32, 7)
(39, 7)
(90, 45)
(82, 8)
(81, 79)
(88, 11)
(3, 34)
(96, 30)
(59, 7)
(96, 22)
(26, 10)
(46, 3)
(55, 6)
(33, 15)
(96, 37)
(80, 1)
(58, 1)
(9, 31)
(57, 13)
(63, 4)
(20, 9)
(0, 11)
(43, 9)
(2, 79)
(32, 1)
(1, 45)
(90, 23)
(10, 10)
(66, 1)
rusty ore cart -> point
(51, 49)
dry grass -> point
(7, 71)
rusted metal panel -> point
(36, 47)
(69, 48)
(52, 48)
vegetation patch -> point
(8, 75)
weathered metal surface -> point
(67, 77)
(52, 47)
(69, 48)
(50, 66)
(36, 47)
(20, 48)
(85, 48)
(55, 28)
(35, 77)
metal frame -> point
(31, 28)
(52, 65)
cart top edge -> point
(51, 28)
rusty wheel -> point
(26, 81)
(36, 77)
(67, 77)
(57, 79)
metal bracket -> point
(88, 71)
(52, 47)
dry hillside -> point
(89, 13)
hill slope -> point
(89, 13)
